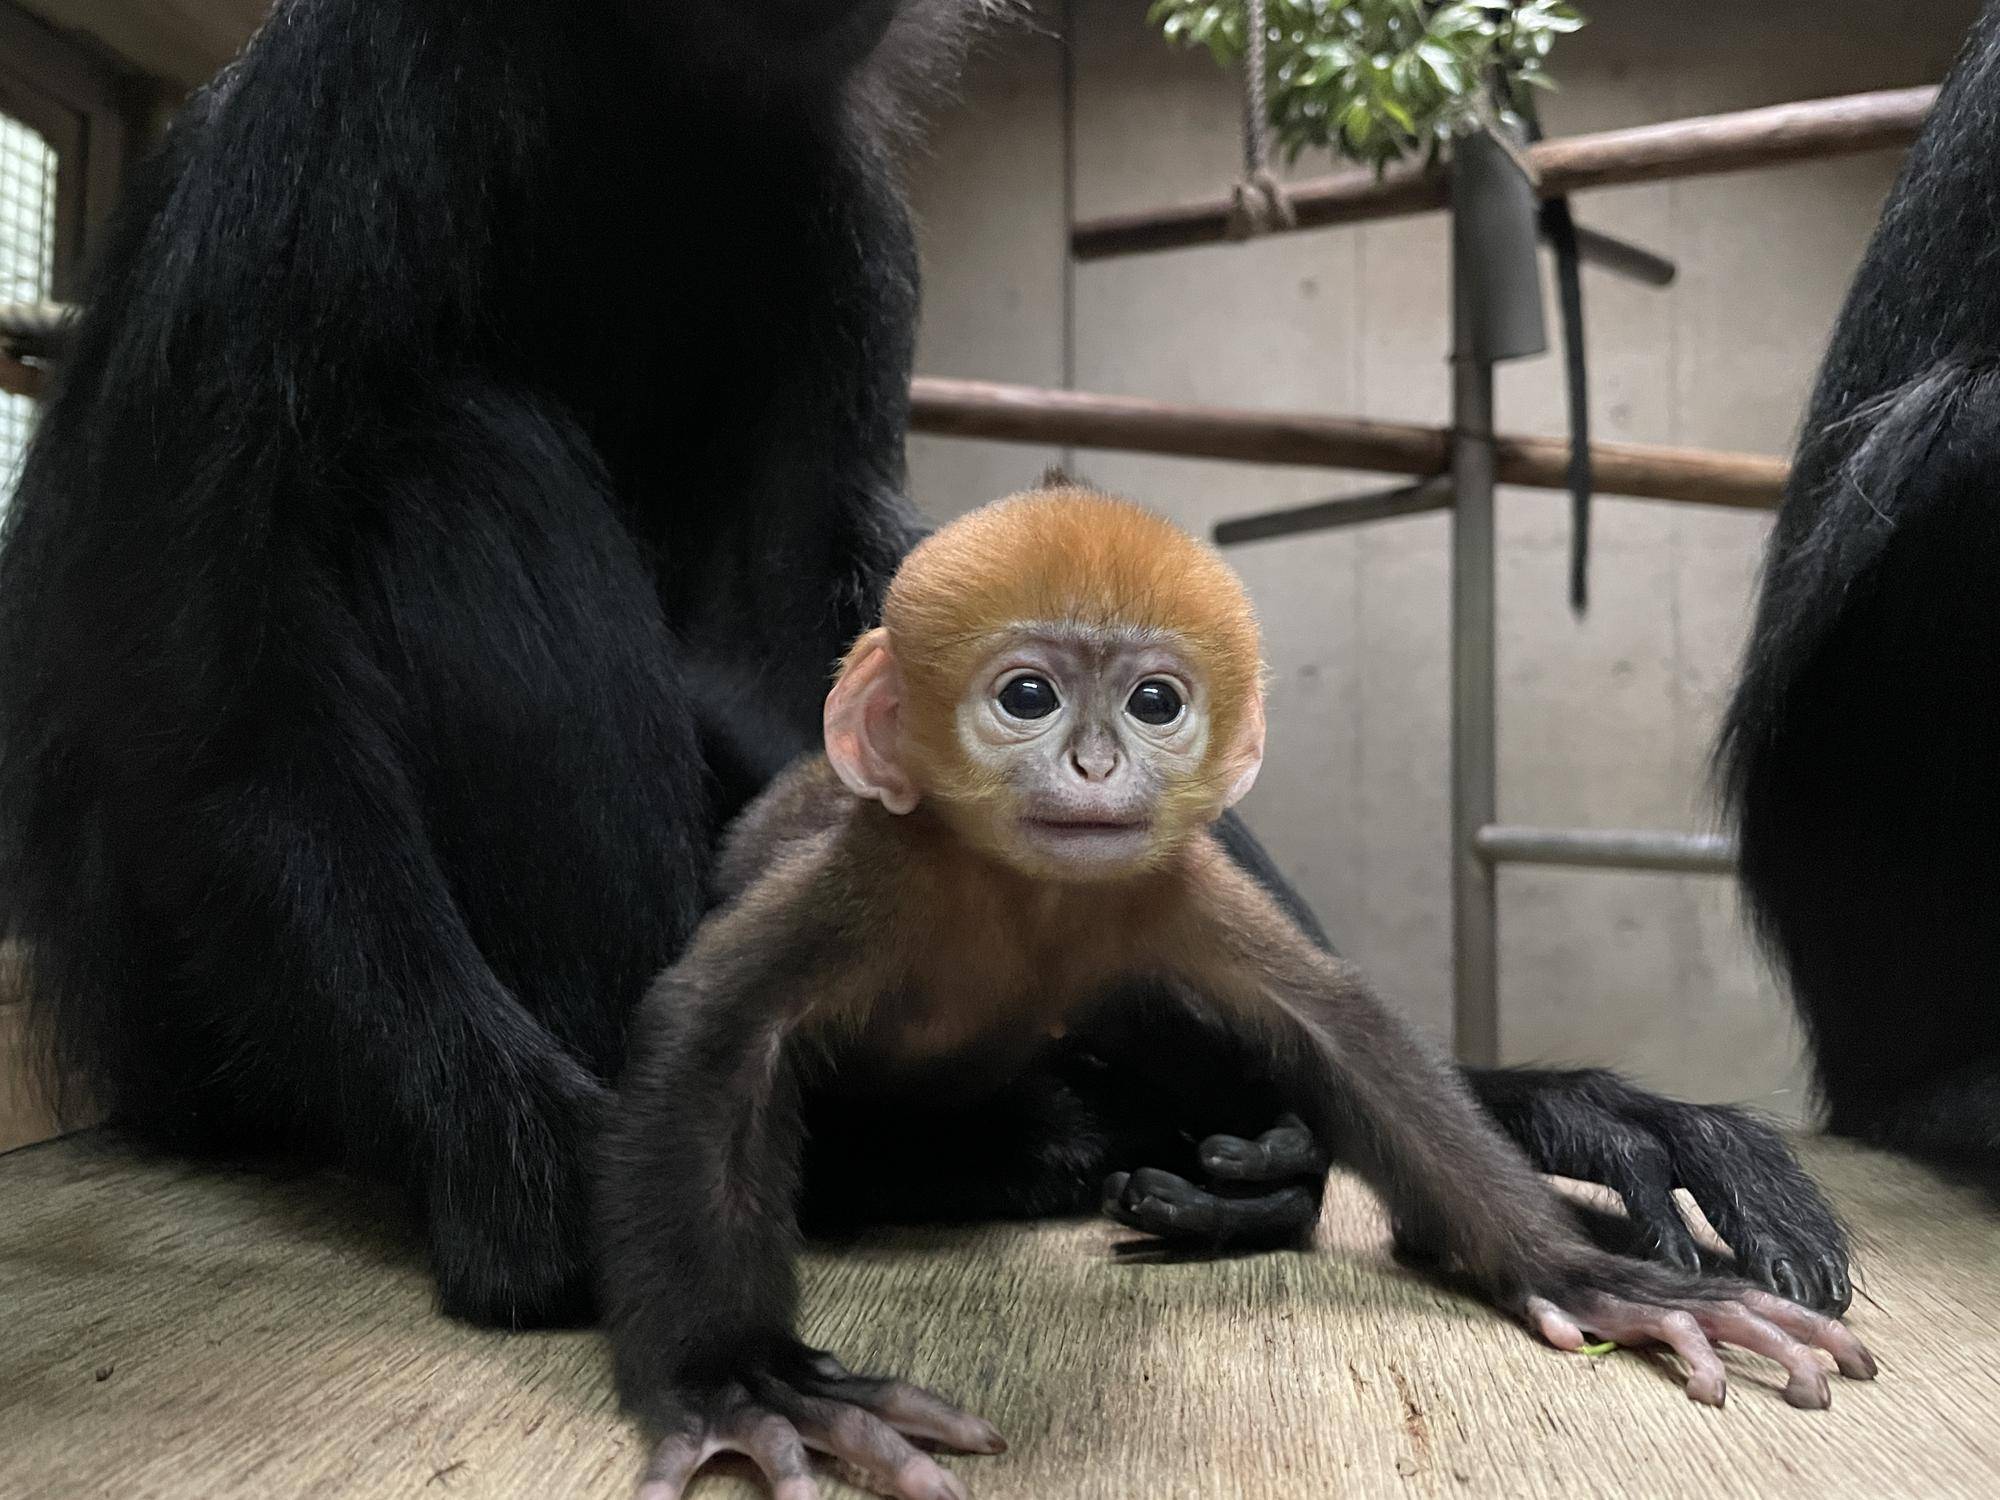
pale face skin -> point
(1076, 736)
(1086, 727)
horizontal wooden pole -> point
(1699, 147)
(1134, 424)
(18, 379)
(36, 330)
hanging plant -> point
(1381, 80)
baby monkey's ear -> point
(1245, 757)
(863, 725)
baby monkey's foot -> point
(1693, 1327)
(863, 1423)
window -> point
(65, 130)
(27, 258)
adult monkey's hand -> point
(1254, 1194)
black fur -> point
(487, 434)
(1861, 753)
(483, 405)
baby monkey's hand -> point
(1638, 1305)
(819, 1405)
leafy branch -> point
(1380, 80)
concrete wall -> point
(1605, 721)
(179, 41)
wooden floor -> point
(169, 1330)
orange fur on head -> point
(1068, 555)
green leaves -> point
(1380, 80)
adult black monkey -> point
(486, 436)
(1862, 750)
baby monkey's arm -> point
(697, 1214)
(1462, 1198)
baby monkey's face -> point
(1086, 731)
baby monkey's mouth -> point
(1062, 827)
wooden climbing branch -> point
(1133, 424)
(1699, 147)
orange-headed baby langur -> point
(1011, 823)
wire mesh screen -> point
(27, 261)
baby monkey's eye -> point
(1154, 702)
(1029, 698)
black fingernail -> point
(1786, 1280)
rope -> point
(1259, 203)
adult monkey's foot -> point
(1594, 1126)
(817, 1405)
(506, 1191)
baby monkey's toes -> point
(1794, 1337)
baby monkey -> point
(1011, 823)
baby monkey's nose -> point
(1094, 759)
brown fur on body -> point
(929, 952)
(924, 953)
(937, 954)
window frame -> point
(89, 112)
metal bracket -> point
(1426, 495)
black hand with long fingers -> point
(1261, 1192)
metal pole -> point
(1496, 314)
(1608, 849)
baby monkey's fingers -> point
(875, 1453)
(864, 1423)
(768, 1440)
(1757, 1321)
(914, 1412)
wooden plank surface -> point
(177, 1331)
